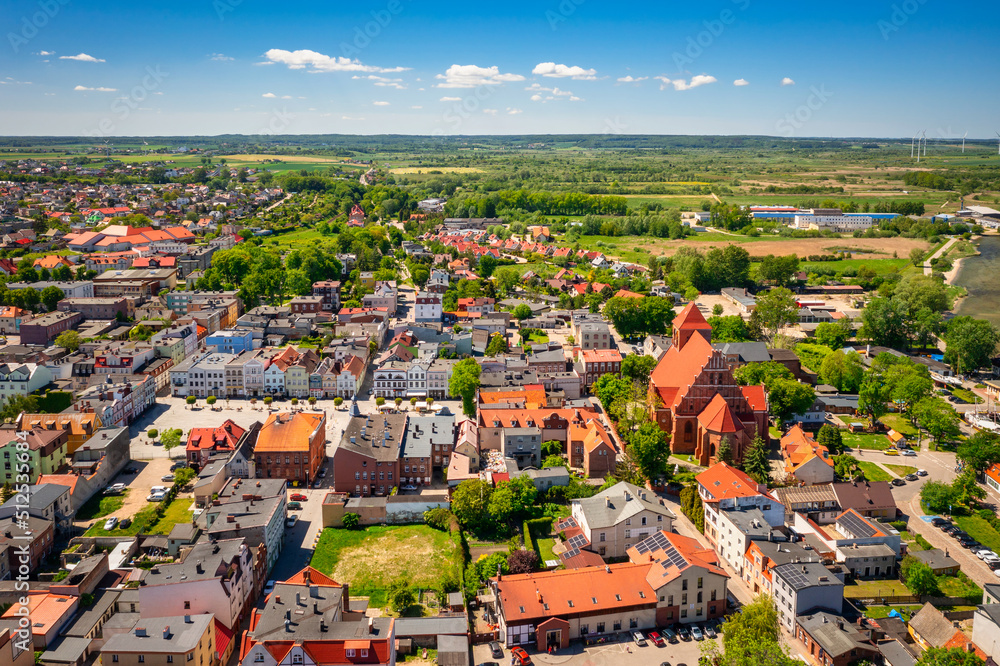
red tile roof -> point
(691, 318)
(665, 569)
(756, 396)
(722, 481)
(717, 417)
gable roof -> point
(288, 432)
(932, 626)
(670, 555)
(717, 417)
(864, 495)
(620, 501)
(678, 369)
(691, 319)
(723, 481)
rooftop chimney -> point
(140, 632)
(187, 619)
(371, 624)
(166, 632)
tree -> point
(637, 317)
(883, 322)
(469, 504)
(338, 401)
(692, 506)
(497, 345)
(69, 340)
(966, 492)
(608, 387)
(971, 344)
(937, 656)
(487, 264)
(833, 335)
(401, 597)
(717, 310)
(648, 448)
(872, 396)
(193, 399)
(15, 405)
(522, 561)
(938, 418)
(379, 401)
(787, 398)
(152, 433)
(552, 447)
(751, 637)
(637, 368)
(312, 401)
(351, 520)
(522, 312)
(413, 402)
(295, 402)
(729, 329)
(774, 311)
(171, 439)
(51, 296)
(778, 271)
(846, 468)
(937, 497)
(980, 451)
(140, 333)
(184, 476)
(844, 371)
(829, 436)
(511, 500)
(211, 400)
(766, 373)
(507, 278)
(724, 452)
(918, 577)
(756, 462)
(6, 493)
(917, 256)
(464, 382)
(553, 461)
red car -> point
(656, 638)
(298, 497)
(522, 657)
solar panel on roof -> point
(857, 526)
(573, 552)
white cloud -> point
(513, 112)
(471, 76)
(574, 98)
(683, 84)
(631, 79)
(536, 98)
(381, 103)
(319, 62)
(741, 82)
(351, 118)
(450, 99)
(787, 81)
(269, 95)
(286, 97)
(551, 93)
(82, 57)
(46, 53)
(10, 81)
(86, 89)
(490, 112)
(220, 57)
(552, 70)
(416, 107)
(382, 81)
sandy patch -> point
(800, 246)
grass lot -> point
(812, 355)
(879, 612)
(959, 586)
(866, 589)
(179, 511)
(372, 559)
(900, 424)
(873, 472)
(901, 470)
(967, 395)
(880, 266)
(146, 521)
(537, 339)
(545, 549)
(865, 440)
(100, 506)
(981, 531)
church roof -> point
(691, 318)
(718, 417)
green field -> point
(374, 558)
(873, 472)
(179, 511)
(960, 586)
(100, 506)
(867, 589)
(900, 424)
(879, 265)
(866, 440)
(812, 355)
(901, 470)
(981, 531)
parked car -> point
(685, 632)
(408, 487)
(891, 452)
(269, 587)
(996, 572)
(129, 470)
(159, 489)
(322, 473)
(710, 631)
(125, 523)
(156, 497)
(291, 520)
(317, 483)
(294, 506)
(110, 523)
(167, 477)
(496, 651)
(938, 522)
(908, 452)
(522, 658)
(639, 639)
(911, 477)
(115, 488)
(298, 497)
(669, 634)
(993, 564)
(921, 472)
(696, 633)
(898, 482)
(656, 639)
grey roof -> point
(407, 627)
(992, 590)
(841, 401)
(423, 432)
(834, 634)
(316, 605)
(868, 550)
(183, 531)
(934, 558)
(553, 356)
(932, 626)
(749, 352)
(204, 561)
(88, 619)
(246, 513)
(68, 650)
(183, 636)
(797, 495)
(559, 472)
(802, 575)
(620, 501)
(39, 497)
(236, 488)
(786, 552)
(751, 521)
(374, 444)
(990, 610)
(895, 653)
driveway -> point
(299, 540)
(608, 654)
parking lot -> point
(684, 653)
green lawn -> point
(959, 586)
(865, 440)
(873, 472)
(900, 424)
(866, 589)
(374, 558)
(967, 395)
(812, 355)
(879, 612)
(901, 470)
(536, 339)
(100, 506)
(179, 511)
(880, 266)
(981, 531)
(146, 521)
(545, 549)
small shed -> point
(455, 602)
(453, 650)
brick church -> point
(697, 400)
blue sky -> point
(72, 67)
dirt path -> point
(944, 248)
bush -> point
(152, 433)
(351, 521)
(440, 519)
(522, 561)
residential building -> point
(22, 379)
(306, 304)
(231, 341)
(48, 501)
(817, 503)
(34, 537)
(75, 289)
(93, 466)
(592, 448)
(619, 517)
(940, 562)
(202, 376)
(391, 380)
(806, 459)
(48, 614)
(180, 301)
(723, 487)
(993, 477)
(763, 556)
(11, 318)
(329, 291)
(251, 509)
(137, 282)
(594, 335)
(291, 446)
(99, 308)
(737, 528)
(80, 426)
(44, 329)
(523, 445)
(804, 587)
(165, 640)
(438, 431)
(871, 499)
(176, 342)
(439, 378)
(554, 423)
(31, 453)
(931, 629)
(205, 443)
(428, 307)
(699, 402)
(594, 363)
(833, 641)
(986, 628)
(367, 461)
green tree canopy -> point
(775, 310)
(787, 398)
(936, 656)
(971, 344)
(732, 328)
(464, 382)
(637, 367)
(845, 371)
(829, 436)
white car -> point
(158, 489)
(269, 588)
(985, 554)
(156, 497)
(908, 452)
(639, 639)
(291, 520)
(110, 523)
(921, 472)
(115, 488)
(996, 572)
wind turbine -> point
(998, 142)
(925, 142)
(912, 142)
(963, 142)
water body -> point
(981, 276)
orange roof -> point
(962, 642)
(596, 436)
(68, 480)
(691, 318)
(221, 438)
(718, 417)
(756, 397)
(78, 423)
(724, 481)
(592, 590)
(798, 447)
(45, 610)
(666, 568)
(679, 368)
(123, 230)
(315, 578)
(625, 293)
(601, 356)
(518, 418)
(9, 311)
(289, 432)
(52, 261)
(532, 395)
(994, 472)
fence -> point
(911, 599)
